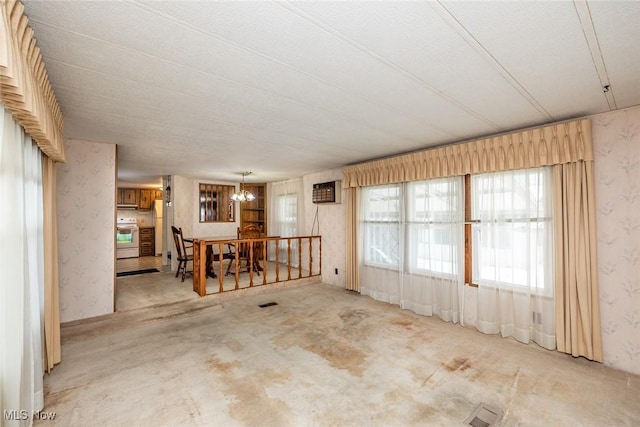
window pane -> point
(512, 238)
(287, 214)
(435, 218)
(381, 225)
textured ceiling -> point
(211, 89)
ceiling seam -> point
(329, 113)
(466, 35)
(292, 68)
(353, 43)
(591, 38)
(223, 79)
(223, 122)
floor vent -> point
(135, 272)
(484, 416)
(267, 304)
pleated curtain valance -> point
(25, 89)
(550, 145)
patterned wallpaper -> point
(331, 221)
(86, 224)
(616, 138)
(185, 213)
(86, 188)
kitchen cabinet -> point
(147, 241)
(146, 198)
(255, 212)
(142, 198)
(128, 196)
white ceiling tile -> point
(187, 87)
(617, 26)
(542, 45)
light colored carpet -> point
(322, 357)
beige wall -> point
(86, 224)
(186, 192)
(616, 142)
(616, 138)
(86, 205)
(331, 225)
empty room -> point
(318, 213)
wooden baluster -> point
(310, 256)
(277, 242)
(299, 258)
(288, 258)
(220, 276)
(250, 263)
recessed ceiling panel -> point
(542, 45)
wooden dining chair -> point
(183, 257)
(244, 249)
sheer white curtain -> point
(413, 245)
(286, 216)
(382, 242)
(513, 254)
(22, 266)
(435, 248)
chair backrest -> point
(250, 231)
(179, 241)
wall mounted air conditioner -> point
(327, 192)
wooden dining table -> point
(199, 278)
(210, 256)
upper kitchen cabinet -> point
(141, 198)
(128, 196)
(146, 198)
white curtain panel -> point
(286, 217)
(513, 254)
(381, 234)
(413, 245)
(434, 273)
(22, 266)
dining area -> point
(249, 258)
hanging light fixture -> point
(243, 195)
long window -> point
(381, 219)
(434, 226)
(417, 227)
(512, 230)
(287, 219)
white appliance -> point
(157, 221)
(127, 240)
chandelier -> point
(243, 195)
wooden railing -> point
(276, 259)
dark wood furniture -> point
(147, 241)
(247, 251)
(183, 257)
(254, 212)
(212, 256)
(143, 198)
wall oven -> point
(127, 240)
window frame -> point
(366, 223)
(404, 221)
(468, 230)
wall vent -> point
(327, 192)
